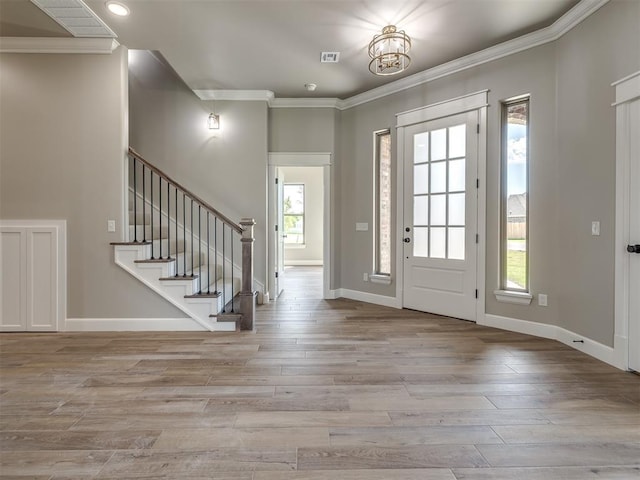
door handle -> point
(407, 240)
(633, 248)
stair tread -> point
(156, 260)
(180, 277)
(130, 243)
(204, 295)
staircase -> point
(186, 251)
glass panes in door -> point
(439, 193)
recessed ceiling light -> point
(118, 9)
(310, 86)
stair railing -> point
(191, 222)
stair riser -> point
(165, 247)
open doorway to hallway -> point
(284, 167)
(302, 226)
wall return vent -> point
(330, 57)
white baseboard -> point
(612, 356)
(303, 263)
(383, 300)
(132, 325)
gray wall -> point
(302, 130)
(63, 138)
(226, 168)
(314, 130)
(571, 174)
(601, 50)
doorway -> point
(627, 255)
(441, 201)
(440, 216)
(299, 217)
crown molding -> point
(57, 45)
(306, 103)
(236, 95)
(540, 37)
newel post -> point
(247, 294)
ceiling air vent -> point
(76, 17)
(330, 57)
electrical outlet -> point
(542, 300)
(111, 225)
(595, 228)
(365, 277)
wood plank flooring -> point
(322, 390)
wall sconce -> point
(214, 121)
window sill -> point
(295, 246)
(517, 298)
(380, 279)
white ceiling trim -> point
(306, 103)
(57, 45)
(236, 95)
(546, 35)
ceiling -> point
(276, 44)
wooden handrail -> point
(193, 196)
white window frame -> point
(379, 276)
(505, 293)
(303, 215)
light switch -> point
(362, 226)
(595, 228)
(111, 225)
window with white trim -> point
(515, 196)
(382, 202)
(293, 210)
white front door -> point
(440, 216)
(633, 247)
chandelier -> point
(389, 51)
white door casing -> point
(440, 216)
(441, 263)
(301, 159)
(634, 238)
(279, 190)
(627, 267)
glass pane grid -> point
(439, 193)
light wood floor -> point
(323, 390)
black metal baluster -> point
(144, 207)
(192, 252)
(160, 211)
(175, 189)
(208, 257)
(232, 259)
(215, 249)
(199, 248)
(135, 203)
(169, 223)
(184, 235)
(151, 213)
